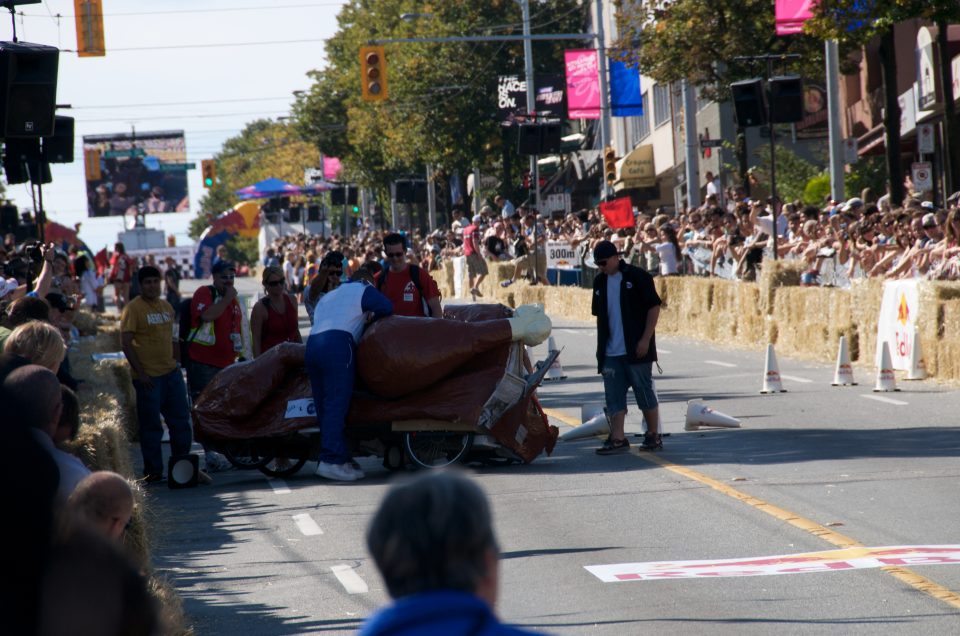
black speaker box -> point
(339, 196)
(313, 214)
(293, 214)
(748, 102)
(549, 139)
(58, 148)
(28, 89)
(786, 99)
(8, 219)
(404, 192)
(18, 154)
(528, 139)
(419, 191)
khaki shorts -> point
(529, 262)
(476, 266)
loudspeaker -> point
(404, 192)
(419, 191)
(528, 139)
(183, 471)
(17, 155)
(786, 99)
(28, 89)
(313, 214)
(8, 219)
(293, 214)
(338, 196)
(748, 102)
(549, 139)
(59, 147)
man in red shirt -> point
(215, 337)
(476, 266)
(410, 296)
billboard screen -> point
(131, 172)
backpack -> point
(185, 333)
(415, 277)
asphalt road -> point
(811, 470)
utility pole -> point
(531, 96)
(601, 44)
(833, 111)
(690, 143)
(431, 200)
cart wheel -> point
(393, 458)
(436, 450)
(284, 466)
(244, 455)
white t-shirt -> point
(616, 345)
(289, 274)
(668, 258)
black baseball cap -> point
(58, 301)
(222, 266)
(603, 250)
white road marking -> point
(577, 332)
(794, 378)
(659, 350)
(349, 579)
(719, 364)
(279, 486)
(887, 400)
(307, 525)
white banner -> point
(300, 408)
(803, 563)
(559, 202)
(898, 317)
(561, 255)
(459, 271)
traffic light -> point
(208, 167)
(373, 74)
(356, 210)
(89, 20)
(91, 164)
(610, 164)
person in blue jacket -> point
(433, 542)
(338, 323)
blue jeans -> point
(619, 375)
(331, 364)
(169, 397)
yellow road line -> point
(905, 575)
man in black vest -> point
(627, 308)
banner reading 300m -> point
(128, 173)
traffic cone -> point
(886, 380)
(843, 376)
(918, 369)
(643, 424)
(699, 415)
(555, 372)
(771, 373)
(594, 420)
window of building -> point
(661, 104)
(640, 125)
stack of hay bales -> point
(811, 321)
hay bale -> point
(865, 298)
(172, 617)
(774, 275)
(945, 350)
(811, 320)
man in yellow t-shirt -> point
(146, 332)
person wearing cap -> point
(215, 337)
(476, 266)
(627, 308)
(146, 336)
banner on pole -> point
(618, 213)
(583, 83)
(791, 14)
(625, 97)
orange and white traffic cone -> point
(886, 380)
(594, 422)
(771, 373)
(843, 376)
(555, 372)
(918, 369)
(699, 416)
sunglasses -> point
(394, 254)
(602, 262)
(273, 283)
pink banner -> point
(583, 84)
(791, 14)
(331, 168)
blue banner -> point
(206, 251)
(625, 97)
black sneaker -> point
(614, 447)
(651, 442)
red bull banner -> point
(583, 84)
(791, 14)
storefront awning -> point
(636, 169)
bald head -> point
(34, 395)
(104, 501)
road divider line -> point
(659, 350)
(911, 578)
(885, 400)
(279, 486)
(307, 525)
(719, 364)
(794, 378)
(349, 579)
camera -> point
(33, 252)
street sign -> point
(312, 175)
(925, 139)
(850, 154)
(177, 167)
(132, 152)
(922, 176)
(711, 143)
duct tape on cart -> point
(300, 408)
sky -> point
(140, 86)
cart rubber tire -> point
(237, 453)
(436, 450)
(393, 458)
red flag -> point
(101, 260)
(618, 213)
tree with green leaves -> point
(442, 105)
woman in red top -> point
(121, 272)
(274, 318)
